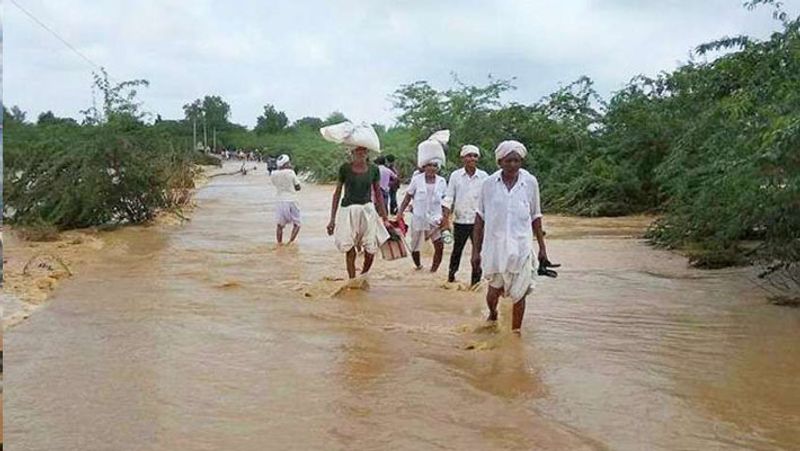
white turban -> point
(470, 149)
(507, 147)
(430, 151)
(283, 160)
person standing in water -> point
(463, 191)
(387, 177)
(394, 185)
(286, 210)
(508, 216)
(357, 223)
(427, 189)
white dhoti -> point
(287, 212)
(420, 236)
(359, 225)
(424, 228)
(515, 285)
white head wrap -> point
(283, 160)
(430, 151)
(470, 149)
(507, 147)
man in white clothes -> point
(463, 191)
(286, 210)
(508, 216)
(427, 190)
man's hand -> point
(543, 255)
(331, 227)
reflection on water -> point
(210, 337)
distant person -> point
(286, 210)
(387, 175)
(508, 217)
(356, 223)
(427, 190)
(394, 185)
(463, 191)
(271, 165)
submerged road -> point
(206, 336)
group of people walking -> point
(500, 214)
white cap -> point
(470, 149)
(283, 160)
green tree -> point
(13, 116)
(309, 122)
(212, 111)
(271, 121)
(335, 118)
(48, 118)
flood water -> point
(207, 337)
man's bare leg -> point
(350, 258)
(438, 250)
(368, 259)
(295, 231)
(279, 234)
(416, 257)
(492, 298)
(517, 315)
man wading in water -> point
(357, 224)
(508, 216)
(462, 200)
(286, 209)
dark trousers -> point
(462, 233)
(393, 201)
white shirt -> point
(507, 217)
(462, 194)
(285, 181)
(427, 201)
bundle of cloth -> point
(432, 149)
(352, 135)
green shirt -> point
(358, 187)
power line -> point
(57, 36)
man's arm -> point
(537, 231)
(337, 195)
(449, 202)
(477, 240)
(378, 195)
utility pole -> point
(215, 140)
(205, 134)
(194, 133)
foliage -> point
(271, 121)
(114, 168)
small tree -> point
(272, 121)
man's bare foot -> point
(492, 316)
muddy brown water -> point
(207, 337)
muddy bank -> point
(32, 270)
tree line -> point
(712, 148)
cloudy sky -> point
(309, 58)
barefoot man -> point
(357, 223)
(286, 210)
(508, 217)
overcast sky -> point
(309, 58)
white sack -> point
(351, 135)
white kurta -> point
(508, 235)
(463, 191)
(427, 203)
